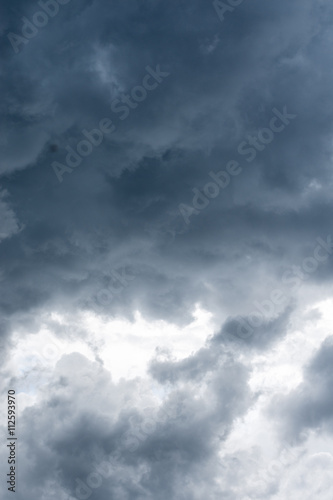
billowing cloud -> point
(166, 172)
(310, 405)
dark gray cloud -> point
(118, 211)
(84, 420)
(255, 331)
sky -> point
(166, 249)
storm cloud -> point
(166, 201)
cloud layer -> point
(158, 161)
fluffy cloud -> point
(151, 448)
(110, 240)
(309, 406)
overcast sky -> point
(166, 248)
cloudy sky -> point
(166, 248)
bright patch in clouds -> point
(123, 347)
